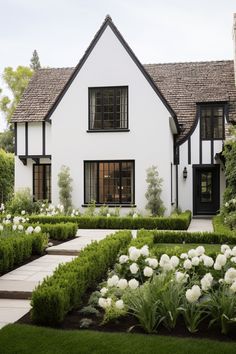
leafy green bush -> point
(177, 222)
(6, 175)
(153, 194)
(61, 231)
(63, 291)
(16, 249)
(65, 188)
(219, 225)
(23, 200)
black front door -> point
(206, 189)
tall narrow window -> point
(109, 182)
(108, 108)
(42, 182)
(212, 122)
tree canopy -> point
(35, 62)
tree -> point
(229, 154)
(153, 194)
(65, 188)
(35, 63)
(6, 176)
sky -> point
(158, 31)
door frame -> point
(215, 167)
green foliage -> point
(153, 194)
(6, 175)
(6, 140)
(229, 154)
(193, 314)
(89, 310)
(91, 209)
(34, 61)
(16, 249)
(103, 210)
(65, 188)
(179, 222)
(62, 292)
(62, 231)
(23, 200)
(219, 225)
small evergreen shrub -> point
(65, 188)
(23, 200)
(61, 231)
(153, 194)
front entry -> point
(206, 189)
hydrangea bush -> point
(159, 291)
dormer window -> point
(108, 108)
(212, 121)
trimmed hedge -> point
(219, 226)
(62, 231)
(177, 222)
(14, 250)
(62, 292)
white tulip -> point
(22, 212)
(174, 261)
(224, 248)
(200, 250)
(230, 276)
(184, 256)
(119, 304)
(217, 266)
(192, 253)
(133, 284)
(208, 261)
(152, 262)
(112, 281)
(233, 287)
(103, 291)
(181, 277)
(206, 281)
(187, 264)
(122, 284)
(144, 251)
(134, 268)
(221, 259)
(148, 272)
(195, 261)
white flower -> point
(174, 261)
(104, 303)
(134, 253)
(217, 266)
(233, 287)
(233, 251)
(230, 276)
(122, 284)
(8, 216)
(20, 228)
(181, 277)
(228, 253)
(164, 259)
(7, 221)
(108, 215)
(148, 272)
(200, 250)
(193, 294)
(206, 281)
(184, 256)
(133, 284)
(224, 248)
(135, 215)
(208, 261)
(14, 227)
(112, 281)
(134, 268)
(233, 259)
(16, 220)
(195, 261)
(192, 253)
(22, 212)
(226, 204)
(221, 259)
(29, 230)
(152, 262)
(144, 251)
(119, 304)
(187, 264)
(37, 229)
(123, 259)
(103, 291)
(1, 227)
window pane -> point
(42, 182)
(212, 122)
(206, 187)
(90, 182)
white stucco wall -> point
(149, 141)
(20, 138)
(35, 138)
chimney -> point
(234, 39)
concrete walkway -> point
(12, 310)
(200, 225)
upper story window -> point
(212, 121)
(108, 108)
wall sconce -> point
(185, 173)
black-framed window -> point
(108, 108)
(42, 182)
(212, 121)
(109, 182)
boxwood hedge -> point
(61, 231)
(62, 292)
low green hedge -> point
(61, 231)
(177, 222)
(218, 224)
(14, 250)
(62, 292)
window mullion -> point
(114, 107)
(120, 177)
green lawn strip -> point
(218, 224)
(178, 248)
(23, 339)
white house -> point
(110, 118)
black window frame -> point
(92, 130)
(44, 181)
(112, 204)
(212, 106)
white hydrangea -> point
(104, 303)
(192, 253)
(233, 287)
(174, 261)
(112, 281)
(123, 259)
(133, 284)
(22, 212)
(37, 229)
(103, 291)
(164, 259)
(29, 230)
(144, 251)
(14, 227)
(184, 256)
(200, 250)
(148, 272)
(119, 304)
(195, 261)
(233, 251)
(20, 227)
(217, 266)
(193, 294)
(228, 253)
(152, 262)
(134, 268)
(233, 259)
(206, 281)
(221, 259)
(134, 253)
(208, 261)
(16, 220)
(181, 277)
(224, 248)
(187, 264)
(122, 284)
(230, 276)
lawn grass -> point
(23, 339)
(178, 248)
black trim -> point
(43, 138)
(108, 131)
(35, 158)
(15, 138)
(110, 204)
(26, 138)
(108, 22)
(44, 181)
(212, 105)
(177, 184)
(212, 151)
(189, 150)
(171, 184)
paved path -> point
(200, 225)
(12, 310)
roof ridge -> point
(192, 62)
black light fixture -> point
(185, 173)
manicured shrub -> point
(61, 231)
(6, 175)
(177, 222)
(153, 195)
(23, 200)
(65, 188)
(14, 250)
(62, 292)
(219, 225)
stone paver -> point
(200, 225)
(12, 310)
